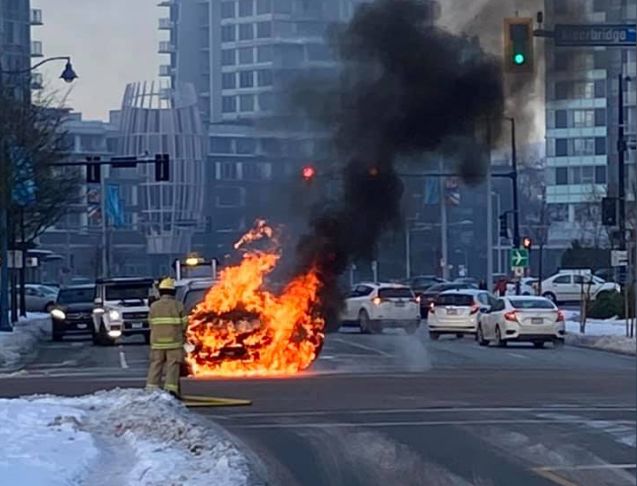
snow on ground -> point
(18, 346)
(123, 437)
(606, 334)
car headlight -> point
(58, 314)
(114, 315)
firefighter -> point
(167, 325)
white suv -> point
(457, 312)
(574, 286)
(375, 306)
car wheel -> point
(57, 337)
(459, 335)
(499, 342)
(363, 322)
(480, 337)
(551, 296)
(411, 328)
(538, 344)
(434, 336)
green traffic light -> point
(519, 59)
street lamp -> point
(68, 75)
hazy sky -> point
(111, 42)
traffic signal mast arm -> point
(94, 166)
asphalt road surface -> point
(401, 410)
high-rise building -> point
(241, 55)
(582, 121)
(16, 47)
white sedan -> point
(522, 319)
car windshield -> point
(460, 300)
(76, 296)
(194, 297)
(128, 291)
(47, 290)
(532, 304)
(395, 293)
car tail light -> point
(560, 316)
(475, 308)
(511, 316)
(432, 306)
(377, 300)
(417, 299)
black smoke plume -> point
(406, 88)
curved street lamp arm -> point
(35, 66)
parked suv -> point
(121, 309)
(73, 312)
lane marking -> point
(411, 423)
(516, 355)
(586, 467)
(554, 478)
(318, 413)
(363, 347)
(122, 358)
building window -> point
(561, 90)
(600, 117)
(558, 212)
(246, 103)
(246, 55)
(600, 174)
(318, 52)
(246, 32)
(600, 88)
(561, 119)
(228, 33)
(246, 8)
(561, 176)
(264, 77)
(583, 118)
(229, 104)
(266, 101)
(246, 146)
(583, 146)
(229, 197)
(561, 147)
(264, 6)
(228, 171)
(264, 54)
(228, 81)
(600, 145)
(246, 79)
(283, 6)
(588, 174)
(264, 30)
(600, 58)
(255, 171)
(220, 145)
(228, 57)
(227, 10)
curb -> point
(590, 342)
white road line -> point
(516, 355)
(586, 467)
(318, 413)
(411, 423)
(122, 358)
(362, 346)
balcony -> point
(166, 24)
(165, 70)
(37, 81)
(36, 49)
(166, 47)
(36, 16)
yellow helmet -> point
(167, 284)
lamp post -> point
(68, 75)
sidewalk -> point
(19, 346)
(604, 334)
(127, 437)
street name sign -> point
(519, 257)
(612, 35)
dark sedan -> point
(429, 296)
(73, 313)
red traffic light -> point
(527, 243)
(308, 172)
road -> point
(402, 410)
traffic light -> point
(162, 167)
(527, 242)
(93, 170)
(308, 173)
(518, 45)
(609, 211)
(504, 226)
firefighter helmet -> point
(167, 284)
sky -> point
(111, 43)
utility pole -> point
(621, 164)
(407, 248)
(489, 217)
(443, 231)
(104, 245)
(516, 209)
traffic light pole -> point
(514, 183)
(621, 165)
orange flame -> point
(241, 329)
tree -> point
(35, 192)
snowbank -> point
(127, 437)
(605, 334)
(18, 346)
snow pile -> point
(129, 437)
(605, 334)
(18, 346)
